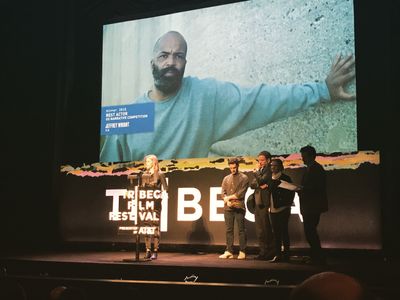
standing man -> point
(313, 201)
(262, 202)
(233, 190)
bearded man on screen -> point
(192, 114)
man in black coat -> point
(262, 201)
(313, 201)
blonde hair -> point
(154, 158)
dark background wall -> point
(50, 75)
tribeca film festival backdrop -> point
(94, 203)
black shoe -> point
(155, 255)
(270, 256)
(260, 257)
(321, 261)
(286, 254)
(147, 256)
(315, 261)
(285, 258)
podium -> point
(135, 181)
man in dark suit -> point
(262, 201)
(313, 201)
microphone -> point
(135, 176)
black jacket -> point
(313, 197)
(281, 196)
(261, 178)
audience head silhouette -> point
(330, 286)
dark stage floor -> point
(109, 272)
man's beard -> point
(167, 84)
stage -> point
(109, 273)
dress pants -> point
(280, 228)
(232, 215)
(310, 223)
(264, 231)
